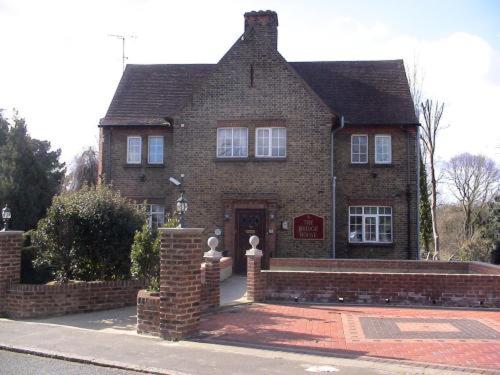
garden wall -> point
(459, 284)
(148, 313)
(32, 301)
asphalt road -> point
(25, 364)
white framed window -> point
(383, 149)
(155, 149)
(370, 224)
(270, 142)
(232, 142)
(359, 149)
(156, 215)
(134, 150)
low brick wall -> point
(370, 265)
(148, 313)
(32, 301)
(226, 269)
(439, 284)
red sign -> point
(308, 227)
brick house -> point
(272, 148)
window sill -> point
(370, 244)
(371, 165)
(155, 165)
(250, 159)
(132, 166)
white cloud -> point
(60, 68)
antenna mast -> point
(123, 38)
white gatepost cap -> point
(254, 241)
(212, 243)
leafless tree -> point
(432, 112)
(415, 82)
(473, 180)
(84, 170)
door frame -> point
(238, 256)
(235, 201)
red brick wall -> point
(180, 281)
(377, 265)
(403, 288)
(10, 263)
(148, 313)
(484, 268)
(30, 301)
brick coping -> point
(381, 272)
(181, 230)
(78, 285)
(7, 232)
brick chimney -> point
(265, 24)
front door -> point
(248, 223)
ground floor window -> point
(370, 224)
(156, 215)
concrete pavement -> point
(26, 364)
(142, 353)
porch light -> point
(6, 215)
(182, 206)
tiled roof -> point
(364, 92)
(147, 94)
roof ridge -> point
(347, 61)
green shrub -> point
(477, 248)
(87, 235)
(145, 254)
(30, 275)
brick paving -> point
(466, 338)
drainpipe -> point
(417, 150)
(408, 196)
(334, 183)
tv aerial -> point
(123, 39)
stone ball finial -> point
(254, 241)
(212, 243)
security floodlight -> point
(174, 181)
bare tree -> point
(432, 112)
(84, 170)
(415, 82)
(473, 180)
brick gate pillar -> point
(255, 279)
(212, 273)
(10, 263)
(180, 282)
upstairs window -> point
(134, 150)
(383, 152)
(359, 149)
(232, 142)
(370, 224)
(156, 215)
(155, 150)
(270, 142)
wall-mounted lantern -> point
(182, 206)
(6, 215)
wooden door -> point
(248, 223)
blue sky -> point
(60, 68)
(428, 19)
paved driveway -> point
(467, 338)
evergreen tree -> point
(30, 173)
(425, 216)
